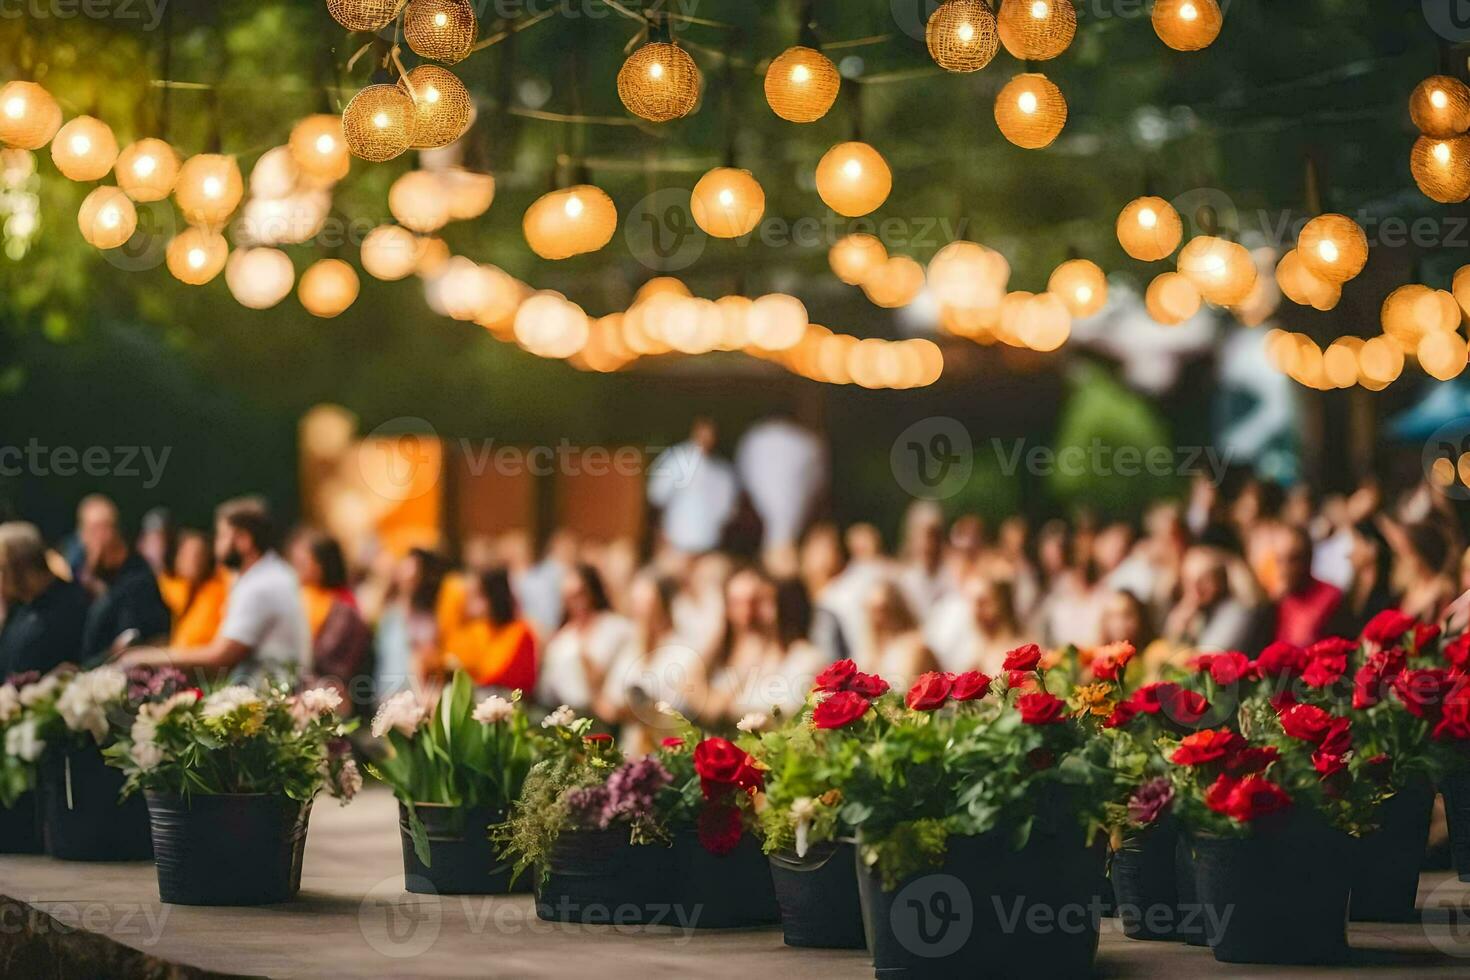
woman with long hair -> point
(655, 665)
(407, 639)
(895, 649)
(495, 646)
(341, 641)
(742, 652)
(195, 591)
(579, 654)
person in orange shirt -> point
(495, 646)
(195, 592)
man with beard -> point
(126, 605)
(264, 632)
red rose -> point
(970, 686)
(1388, 627)
(1457, 652)
(1021, 679)
(840, 710)
(1281, 659)
(1210, 745)
(1027, 657)
(1327, 764)
(1122, 715)
(1425, 634)
(1339, 737)
(835, 676)
(1186, 708)
(1422, 691)
(1332, 646)
(1251, 759)
(597, 738)
(1217, 797)
(1306, 722)
(1226, 668)
(1454, 722)
(719, 827)
(868, 685)
(1109, 661)
(672, 743)
(1041, 708)
(1324, 671)
(1368, 683)
(1255, 797)
(930, 691)
(718, 760)
(750, 778)
(1151, 698)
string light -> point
(1030, 111)
(107, 218)
(377, 123)
(776, 322)
(29, 115)
(1440, 107)
(1149, 229)
(1441, 168)
(659, 82)
(196, 255)
(1222, 270)
(727, 202)
(318, 147)
(895, 283)
(1081, 286)
(570, 222)
(1187, 25)
(209, 188)
(419, 200)
(84, 149)
(470, 193)
(549, 325)
(1442, 354)
(1333, 247)
(962, 35)
(390, 253)
(441, 106)
(364, 15)
(1302, 286)
(328, 287)
(1036, 30)
(967, 276)
(1461, 288)
(801, 84)
(146, 170)
(853, 256)
(853, 179)
(1172, 298)
(443, 30)
(259, 278)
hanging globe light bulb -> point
(776, 322)
(548, 325)
(1300, 285)
(209, 188)
(853, 179)
(1222, 270)
(29, 116)
(259, 278)
(801, 84)
(1187, 25)
(1441, 168)
(328, 287)
(1333, 247)
(969, 278)
(569, 222)
(961, 35)
(196, 255)
(443, 30)
(377, 123)
(1461, 288)
(146, 170)
(853, 256)
(1380, 360)
(727, 202)
(1172, 298)
(84, 149)
(441, 106)
(419, 200)
(390, 253)
(1030, 111)
(107, 218)
(1412, 311)
(275, 175)
(1045, 323)
(1037, 30)
(1440, 107)
(319, 147)
(364, 15)
(433, 255)
(659, 82)
(1149, 229)
(895, 283)
(1442, 354)
(470, 193)
(1081, 286)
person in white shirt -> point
(696, 491)
(655, 664)
(923, 576)
(575, 665)
(783, 467)
(264, 632)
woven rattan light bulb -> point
(470, 193)
(209, 189)
(1440, 106)
(852, 257)
(1441, 168)
(1081, 285)
(29, 116)
(84, 149)
(659, 82)
(895, 283)
(443, 30)
(328, 287)
(801, 84)
(146, 170)
(441, 106)
(853, 179)
(1333, 248)
(1149, 229)
(107, 218)
(569, 222)
(390, 253)
(377, 123)
(1187, 25)
(1302, 287)
(1172, 299)
(1037, 30)
(364, 15)
(1222, 270)
(961, 35)
(776, 322)
(1442, 354)
(196, 255)
(1461, 289)
(727, 202)
(1030, 111)
(1408, 313)
(419, 200)
(259, 278)
(319, 147)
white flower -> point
(227, 700)
(83, 705)
(42, 690)
(147, 755)
(803, 811)
(9, 703)
(144, 729)
(753, 722)
(493, 710)
(21, 741)
(402, 712)
(562, 717)
(664, 708)
(321, 700)
(349, 780)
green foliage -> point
(806, 771)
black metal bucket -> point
(1456, 790)
(1192, 928)
(596, 876)
(1145, 884)
(818, 897)
(228, 849)
(20, 826)
(462, 858)
(81, 817)
(722, 891)
(1386, 867)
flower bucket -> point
(818, 897)
(990, 911)
(1146, 885)
(1192, 931)
(20, 827)
(229, 849)
(81, 817)
(1456, 790)
(1386, 867)
(1279, 896)
(596, 876)
(722, 891)
(462, 858)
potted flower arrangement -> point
(229, 779)
(20, 747)
(456, 768)
(811, 850)
(73, 717)
(974, 801)
(662, 839)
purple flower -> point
(632, 787)
(588, 807)
(23, 679)
(154, 683)
(1150, 801)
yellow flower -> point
(1093, 699)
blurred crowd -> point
(620, 629)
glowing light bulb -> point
(801, 74)
(197, 258)
(1188, 12)
(109, 217)
(440, 19)
(727, 199)
(145, 165)
(81, 144)
(15, 106)
(381, 120)
(1148, 217)
(325, 144)
(1027, 102)
(1040, 9)
(966, 32)
(1084, 293)
(1328, 251)
(656, 70)
(852, 170)
(573, 206)
(431, 94)
(1438, 99)
(213, 187)
(1442, 152)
